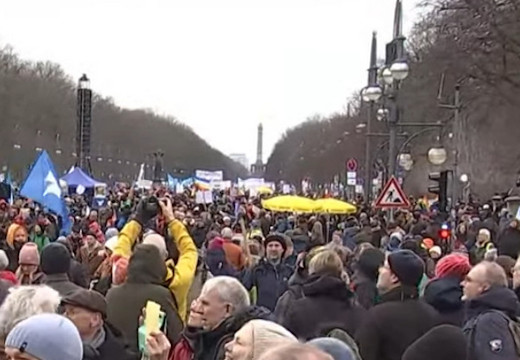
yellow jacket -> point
(179, 277)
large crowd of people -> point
(235, 281)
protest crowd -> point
(153, 274)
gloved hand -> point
(144, 213)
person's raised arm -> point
(179, 276)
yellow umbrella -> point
(264, 190)
(334, 206)
(290, 203)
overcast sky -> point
(220, 66)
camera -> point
(151, 205)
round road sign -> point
(352, 164)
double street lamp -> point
(385, 83)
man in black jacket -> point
(491, 306)
(101, 341)
(400, 317)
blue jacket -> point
(487, 329)
(270, 282)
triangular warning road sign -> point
(392, 196)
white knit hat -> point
(157, 241)
(267, 334)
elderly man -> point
(223, 307)
(87, 310)
(491, 306)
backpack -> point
(513, 326)
(217, 263)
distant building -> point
(241, 159)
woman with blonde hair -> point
(16, 237)
(327, 304)
(255, 338)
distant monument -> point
(258, 168)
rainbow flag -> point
(202, 184)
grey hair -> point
(494, 273)
(24, 302)
(229, 290)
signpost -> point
(392, 196)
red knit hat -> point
(29, 255)
(455, 264)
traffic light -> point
(440, 189)
(445, 232)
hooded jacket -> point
(445, 296)
(327, 304)
(300, 239)
(209, 345)
(486, 327)
(179, 276)
(146, 273)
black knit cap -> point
(55, 259)
(441, 342)
(276, 237)
(407, 266)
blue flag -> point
(41, 185)
(172, 182)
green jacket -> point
(40, 241)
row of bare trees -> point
(37, 111)
(473, 43)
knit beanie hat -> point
(55, 259)
(369, 262)
(111, 232)
(435, 252)
(394, 241)
(276, 237)
(111, 243)
(334, 347)
(427, 243)
(454, 265)
(441, 342)
(407, 266)
(157, 241)
(29, 255)
(47, 337)
(267, 334)
(227, 233)
(4, 260)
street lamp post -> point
(396, 63)
(83, 127)
(455, 107)
(371, 94)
